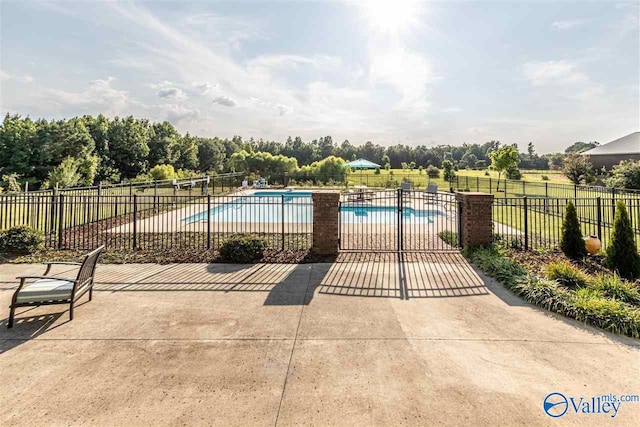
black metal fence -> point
(398, 220)
(162, 222)
(536, 222)
(205, 184)
(500, 188)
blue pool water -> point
(267, 207)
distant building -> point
(612, 153)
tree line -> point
(86, 150)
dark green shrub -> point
(514, 173)
(572, 243)
(449, 237)
(243, 248)
(613, 286)
(622, 252)
(21, 240)
(567, 275)
(433, 172)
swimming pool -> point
(268, 207)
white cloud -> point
(168, 90)
(451, 110)
(568, 24)
(206, 87)
(280, 108)
(8, 76)
(99, 94)
(225, 101)
(555, 72)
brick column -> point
(325, 223)
(476, 220)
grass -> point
(592, 305)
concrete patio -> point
(369, 340)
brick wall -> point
(325, 223)
(476, 222)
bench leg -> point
(71, 311)
(90, 293)
(12, 313)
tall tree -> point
(162, 144)
(503, 159)
(129, 145)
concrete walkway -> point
(425, 342)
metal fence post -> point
(60, 219)
(400, 230)
(135, 221)
(526, 224)
(546, 189)
(282, 202)
(208, 221)
(599, 215)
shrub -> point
(591, 306)
(585, 304)
(449, 237)
(21, 240)
(567, 275)
(243, 248)
(486, 173)
(433, 172)
(514, 173)
(449, 173)
(377, 171)
(625, 175)
(622, 252)
(578, 169)
(572, 243)
(613, 286)
(545, 177)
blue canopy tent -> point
(362, 164)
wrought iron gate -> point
(398, 220)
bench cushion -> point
(46, 290)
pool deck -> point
(366, 341)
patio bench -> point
(49, 290)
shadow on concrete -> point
(28, 324)
(211, 277)
(403, 275)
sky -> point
(398, 71)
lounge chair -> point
(49, 290)
(430, 193)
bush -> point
(433, 172)
(449, 237)
(572, 243)
(449, 173)
(514, 173)
(585, 304)
(622, 252)
(625, 175)
(591, 306)
(567, 275)
(243, 248)
(613, 286)
(545, 177)
(21, 240)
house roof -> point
(629, 144)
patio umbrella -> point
(362, 164)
